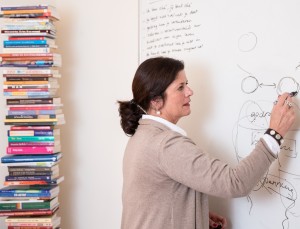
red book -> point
(28, 212)
(39, 107)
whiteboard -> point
(239, 56)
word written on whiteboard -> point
(168, 28)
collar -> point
(172, 126)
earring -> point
(158, 112)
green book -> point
(15, 205)
(30, 138)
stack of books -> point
(30, 64)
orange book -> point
(27, 11)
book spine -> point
(27, 31)
(30, 138)
(30, 86)
(30, 133)
(29, 101)
(45, 94)
(27, 213)
(31, 112)
(31, 144)
(27, 79)
(25, 42)
(46, 107)
(32, 76)
(31, 173)
(27, 50)
(28, 178)
(30, 150)
(31, 128)
(26, 11)
(28, 71)
(30, 116)
(26, 82)
(9, 8)
(32, 123)
(28, 158)
(25, 169)
(27, 38)
(35, 163)
(29, 226)
(27, 46)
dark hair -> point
(151, 80)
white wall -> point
(99, 43)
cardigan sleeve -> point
(186, 163)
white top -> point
(270, 141)
(172, 126)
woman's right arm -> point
(186, 163)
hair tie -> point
(133, 102)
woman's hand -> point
(283, 115)
(217, 221)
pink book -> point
(32, 150)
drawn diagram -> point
(247, 42)
(279, 186)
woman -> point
(166, 176)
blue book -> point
(31, 158)
(27, 46)
(5, 8)
(41, 191)
(24, 42)
(28, 178)
(34, 132)
(31, 112)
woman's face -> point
(177, 99)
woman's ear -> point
(156, 103)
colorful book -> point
(40, 191)
(25, 82)
(32, 212)
(33, 116)
(32, 128)
(28, 38)
(35, 112)
(55, 181)
(35, 144)
(33, 150)
(28, 78)
(16, 205)
(31, 158)
(32, 86)
(36, 101)
(33, 220)
(29, 50)
(30, 170)
(53, 132)
(29, 71)
(30, 138)
(32, 163)
(31, 178)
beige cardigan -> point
(167, 179)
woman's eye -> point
(180, 88)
